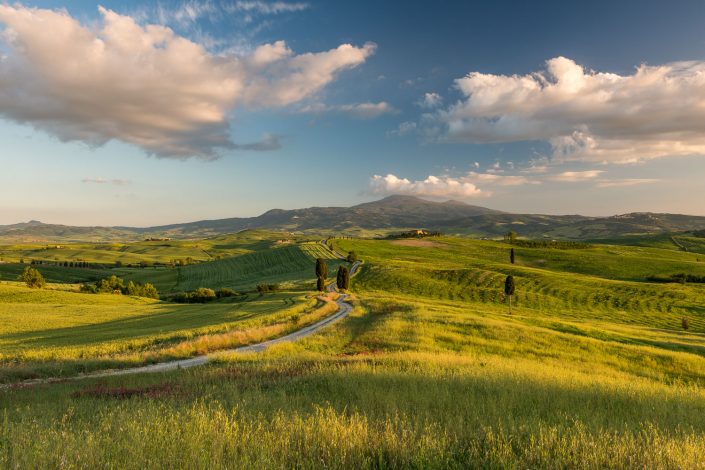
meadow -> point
(239, 261)
(592, 369)
(52, 333)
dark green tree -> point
(343, 278)
(321, 284)
(352, 257)
(321, 268)
(32, 278)
(509, 290)
(510, 237)
(511, 255)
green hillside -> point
(594, 364)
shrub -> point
(264, 288)
(225, 292)
(203, 295)
(352, 257)
(115, 285)
(110, 284)
(684, 323)
(149, 291)
(32, 278)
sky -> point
(147, 113)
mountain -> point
(393, 213)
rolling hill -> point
(378, 218)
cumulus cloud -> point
(358, 110)
(430, 100)
(435, 186)
(657, 111)
(146, 85)
(100, 180)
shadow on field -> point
(377, 312)
(167, 319)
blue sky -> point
(569, 108)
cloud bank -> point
(358, 110)
(434, 186)
(475, 184)
(146, 85)
(585, 115)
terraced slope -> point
(289, 264)
(602, 283)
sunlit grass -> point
(591, 370)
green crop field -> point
(55, 332)
(239, 261)
(592, 369)
(290, 265)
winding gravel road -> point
(344, 309)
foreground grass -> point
(390, 387)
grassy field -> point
(54, 332)
(239, 262)
(162, 251)
(591, 370)
(604, 283)
(290, 265)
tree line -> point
(116, 285)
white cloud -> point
(575, 176)
(266, 8)
(405, 128)
(146, 85)
(434, 186)
(499, 180)
(185, 13)
(430, 100)
(618, 183)
(100, 180)
(358, 110)
(656, 111)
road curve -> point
(344, 309)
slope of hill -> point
(378, 218)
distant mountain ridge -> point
(378, 218)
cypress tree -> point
(346, 278)
(509, 290)
(511, 255)
(321, 268)
(321, 284)
(343, 278)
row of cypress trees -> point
(342, 280)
